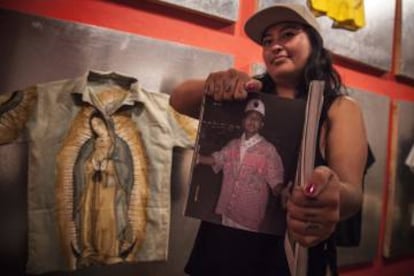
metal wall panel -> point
(37, 49)
(371, 45)
(224, 9)
(406, 67)
(377, 131)
(399, 235)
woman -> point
(293, 53)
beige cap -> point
(255, 105)
(257, 24)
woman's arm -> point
(334, 192)
(186, 98)
(346, 152)
(205, 160)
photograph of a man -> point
(252, 172)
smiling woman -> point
(294, 55)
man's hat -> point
(257, 24)
(255, 105)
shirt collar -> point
(251, 141)
(130, 84)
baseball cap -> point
(257, 24)
(255, 105)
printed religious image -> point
(98, 222)
(245, 158)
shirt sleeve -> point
(222, 156)
(274, 169)
(15, 110)
(219, 159)
(346, 14)
(184, 129)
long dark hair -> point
(318, 67)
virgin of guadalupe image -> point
(102, 192)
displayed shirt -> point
(347, 14)
(247, 184)
(100, 154)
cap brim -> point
(261, 21)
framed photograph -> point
(226, 10)
(245, 157)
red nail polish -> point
(310, 189)
(250, 86)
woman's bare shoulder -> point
(344, 106)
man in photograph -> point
(252, 172)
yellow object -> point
(318, 7)
(347, 14)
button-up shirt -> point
(247, 184)
(54, 119)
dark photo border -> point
(220, 122)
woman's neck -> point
(286, 91)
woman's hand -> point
(230, 85)
(313, 211)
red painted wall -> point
(169, 23)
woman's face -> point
(286, 49)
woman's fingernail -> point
(310, 188)
(250, 86)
